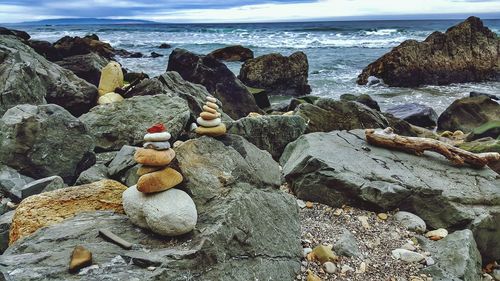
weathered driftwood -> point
(387, 138)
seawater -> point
(337, 51)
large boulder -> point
(467, 52)
(88, 66)
(247, 229)
(124, 123)
(22, 35)
(327, 115)
(340, 168)
(416, 114)
(27, 77)
(218, 80)
(466, 114)
(70, 46)
(271, 133)
(46, 49)
(45, 140)
(277, 74)
(11, 180)
(232, 53)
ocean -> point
(337, 51)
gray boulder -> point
(247, 229)
(29, 78)
(416, 114)
(10, 179)
(37, 187)
(271, 133)
(95, 173)
(456, 256)
(340, 168)
(88, 66)
(125, 123)
(45, 140)
(346, 244)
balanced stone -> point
(159, 181)
(211, 99)
(152, 157)
(212, 105)
(109, 98)
(133, 200)
(163, 136)
(209, 109)
(147, 169)
(111, 78)
(157, 145)
(209, 116)
(208, 123)
(212, 132)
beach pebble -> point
(150, 157)
(307, 251)
(330, 267)
(212, 105)
(163, 136)
(211, 99)
(437, 234)
(382, 216)
(309, 204)
(407, 256)
(429, 261)
(301, 204)
(193, 126)
(345, 269)
(208, 123)
(410, 221)
(408, 247)
(157, 145)
(364, 221)
(324, 253)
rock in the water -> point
(478, 94)
(416, 114)
(335, 169)
(346, 245)
(263, 131)
(10, 179)
(88, 66)
(327, 115)
(364, 99)
(111, 78)
(45, 140)
(28, 78)
(407, 256)
(159, 181)
(410, 221)
(37, 187)
(278, 74)
(165, 46)
(124, 123)
(435, 61)
(232, 53)
(456, 257)
(70, 46)
(217, 78)
(53, 207)
(80, 258)
(468, 113)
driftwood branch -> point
(386, 138)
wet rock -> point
(156, 55)
(478, 94)
(70, 46)
(416, 114)
(363, 99)
(88, 66)
(45, 140)
(232, 53)
(277, 74)
(434, 61)
(165, 46)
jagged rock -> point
(277, 74)
(218, 80)
(340, 168)
(37, 187)
(232, 53)
(262, 131)
(11, 180)
(88, 66)
(5, 222)
(328, 115)
(45, 140)
(22, 35)
(465, 114)
(123, 161)
(416, 114)
(364, 99)
(95, 173)
(467, 52)
(53, 207)
(46, 49)
(70, 46)
(29, 78)
(124, 123)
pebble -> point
(193, 127)
(382, 216)
(307, 251)
(429, 261)
(408, 247)
(362, 268)
(338, 212)
(309, 205)
(209, 109)
(407, 256)
(345, 269)
(211, 99)
(312, 277)
(364, 221)
(80, 258)
(208, 123)
(410, 221)
(151, 268)
(301, 204)
(437, 234)
(330, 267)
(157, 145)
(146, 170)
(163, 136)
(133, 201)
(324, 253)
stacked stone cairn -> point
(111, 78)
(153, 203)
(210, 122)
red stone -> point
(157, 128)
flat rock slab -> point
(339, 168)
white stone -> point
(170, 213)
(133, 201)
(346, 268)
(157, 145)
(410, 221)
(408, 247)
(407, 256)
(208, 123)
(163, 136)
(496, 274)
(211, 99)
(301, 203)
(429, 261)
(307, 251)
(441, 233)
(330, 267)
(193, 127)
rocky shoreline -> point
(107, 174)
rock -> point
(70, 46)
(456, 257)
(363, 99)
(330, 267)
(109, 98)
(11, 180)
(309, 204)
(133, 203)
(124, 123)
(88, 66)
(95, 173)
(208, 123)
(410, 221)
(123, 161)
(217, 131)
(133, 76)
(53, 207)
(364, 222)
(157, 137)
(466, 114)
(434, 61)
(482, 145)
(262, 131)
(407, 256)
(346, 245)
(157, 145)
(333, 169)
(489, 129)
(429, 261)
(324, 254)
(232, 53)
(478, 94)
(277, 74)
(261, 97)
(496, 274)
(80, 258)
(156, 55)
(159, 181)
(29, 78)
(416, 114)
(312, 277)
(150, 157)
(328, 115)
(382, 216)
(45, 49)
(111, 78)
(218, 80)
(165, 46)
(21, 35)
(437, 234)
(301, 204)
(5, 222)
(45, 140)
(37, 187)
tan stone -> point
(209, 109)
(109, 98)
(312, 277)
(254, 114)
(309, 204)
(212, 132)
(55, 206)
(146, 170)
(382, 216)
(212, 105)
(151, 157)
(209, 116)
(80, 258)
(111, 78)
(324, 253)
(159, 181)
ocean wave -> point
(382, 32)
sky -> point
(12, 11)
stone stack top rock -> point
(210, 122)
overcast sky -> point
(242, 10)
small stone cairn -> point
(210, 122)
